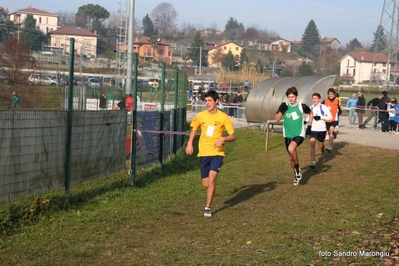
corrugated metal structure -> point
(265, 98)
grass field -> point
(348, 204)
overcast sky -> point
(341, 19)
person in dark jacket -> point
(373, 106)
(383, 115)
(121, 104)
(103, 101)
(360, 108)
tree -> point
(228, 62)
(148, 27)
(233, 28)
(243, 58)
(31, 36)
(353, 46)
(218, 56)
(250, 34)
(91, 17)
(305, 70)
(66, 18)
(311, 39)
(164, 18)
(14, 57)
(7, 28)
(380, 42)
(194, 52)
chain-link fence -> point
(45, 145)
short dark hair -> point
(331, 90)
(213, 94)
(291, 90)
(316, 94)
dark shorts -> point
(210, 163)
(298, 141)
(320, 136)
(331, 124)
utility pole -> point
(386, 47)
(200, 61)
(130, 49)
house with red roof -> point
(45, 21)
(85, 41)
(360, 67)
(148, 51)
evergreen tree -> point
(243, 58)
(380, 41)
(194, 53)
(148, 27)
(353, 46)
(305, 70)
(229, 62)
(31, 36)
(233, 28)
(311, 38)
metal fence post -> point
(69, 119)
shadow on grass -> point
(320, 164)
(246, 192)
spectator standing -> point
(103, 101)
(397, 115)
(15, 100)
(246, 85)
(360, 108)
(231, 103)
(293, 127)
(194, 101)
(211, 144)
(373, 105)
(239, 100)
(351, 105)
(120, 91)
(391, 109)
(122, 103)
(321, 113)
(129, 108)
(333, 104)
(383, 115)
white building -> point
(45, 21)
(358, 68)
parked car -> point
(65, 81)
(92, 82)
(38, 79)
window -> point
(236, 48)
(40, 19)
(354, 72)
(347, 63)
(160, 51)
(46, 20)
(149, 52)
